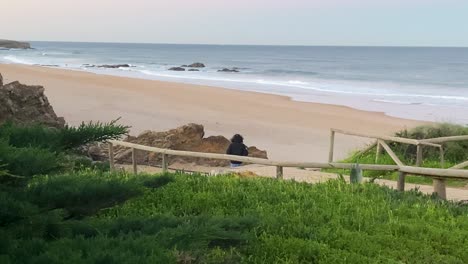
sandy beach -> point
(288, 130)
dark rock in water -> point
(228, 70)
(176, 69)
(114, 66)
(197, 65)
(11, 44)
(190, 137)
(26, 104)
(193, 70)
(47, 65)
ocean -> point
(417, 83)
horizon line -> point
(262, 45)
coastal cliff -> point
(11, 44)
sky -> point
(256, 22)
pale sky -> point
(274, 22)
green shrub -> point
(14, 209)
(455, 152)
(31, 135)
(29, 161)
(73, 137)
(34, 149)
(60, 139)
(82, 193)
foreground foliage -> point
(27, 150)
(196, 219)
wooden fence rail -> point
(438, 182)
(461, 165)
(438, 174)
(382, 138)
(444, 139)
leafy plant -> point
(60, 139)
(73, 137)
(29, 161)
(82, 193)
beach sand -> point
(288, 130)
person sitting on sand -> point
(238, 148)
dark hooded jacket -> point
(238, 149)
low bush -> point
(27, 150)
(28, 161)
(73, 137)
(455, 152)
(60, 139)
(82, 193)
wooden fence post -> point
(279, 172)
(439, 187)
(401, 181)
(164, 162)
(111, 157)
(391, 153)
(419, 155)
(442, 157)
(332, 144)
(377, 154)
(134, 161)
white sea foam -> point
(14, 59)
(298, 82)
(395, 102)
(347, 88)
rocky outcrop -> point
(11, 44)
(193, 70)
(189, 137)
(114, 66)
(197, 65)
(107, 66)
(176, 69)
(26, 104)
(229, 70)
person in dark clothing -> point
(238, 148)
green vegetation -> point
(63, 139)
(198, 219)
(86, 214)
(454, 152)
(27, 150)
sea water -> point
(410, 82)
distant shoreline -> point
(254, 45)
(289, 130)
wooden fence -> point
(439, 175)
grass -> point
(179, 218)
(69, 210)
